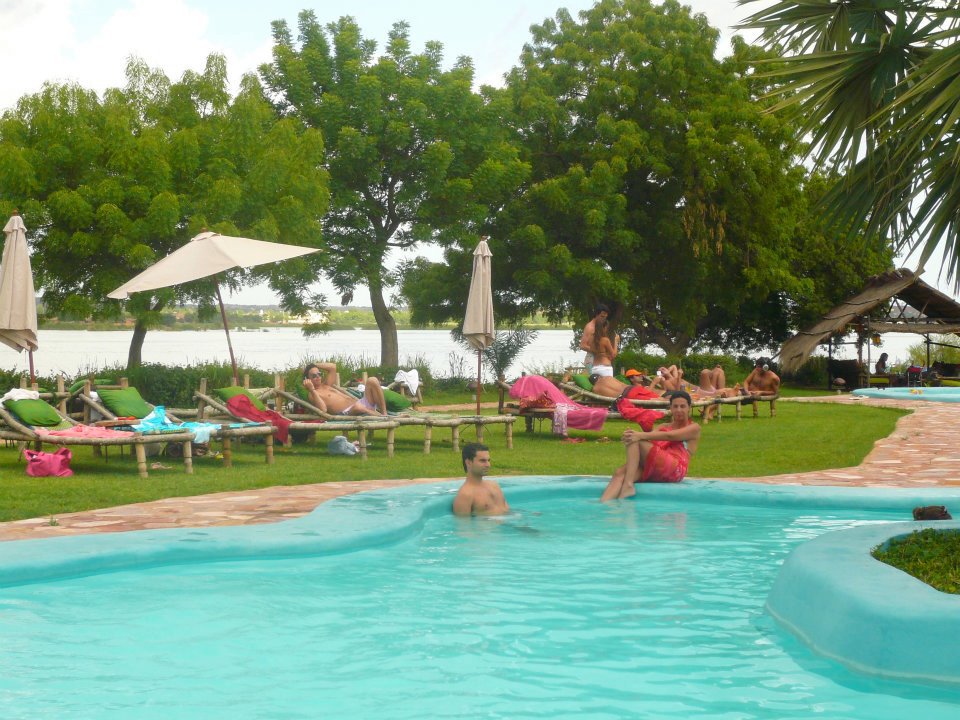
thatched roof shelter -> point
(912, 307)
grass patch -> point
(932, 556)
(803, 437)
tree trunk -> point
(389, 346)
(671, 346)
(135, 356)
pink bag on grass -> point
(44, 464)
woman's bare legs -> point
(624, 477)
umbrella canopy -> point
(208, 254)
(478, 321)
(18, 301)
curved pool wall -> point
(929, 394)
(830, 591)
(869, 615)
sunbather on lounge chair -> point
(762, 381)
(321, 380)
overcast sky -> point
(89, 41)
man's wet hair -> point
(470, 451)
(600, 308)
(308, 368)
(681, 394)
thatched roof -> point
(935, 313)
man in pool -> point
(659, 455)
(478, 496)
(321, 379)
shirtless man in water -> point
(478, 496)
(321, 379)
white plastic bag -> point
(339, 445)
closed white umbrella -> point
(478, 321)
(18, 301)
(208, 254)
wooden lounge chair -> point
(225, 434)
(15, 429)
(427, 421)
(214, 409)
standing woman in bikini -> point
(604, 351)
(658, 456)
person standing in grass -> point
(478, 496)
(600, 313)
(659, 455)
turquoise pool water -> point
(930, 394)
(569, 609)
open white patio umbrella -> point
(478, 321)
(208, 254)
(18, 301)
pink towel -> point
(567, 414)
(84, 431)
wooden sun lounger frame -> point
(428, 422)
(225, 435)
(738, 401)
(22, 434)
(298, 423)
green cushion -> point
(34, 412)
(125, 403)
(582, 381)
(395, 401)
(97, 381)
(229, 392)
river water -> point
(74, 352)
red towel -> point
(241, 406)
(643, 417)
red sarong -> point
(241, 406)
(644, 417)
(667, 462)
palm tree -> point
(877, 85)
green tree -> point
(658, 186)
(414, 154)
(108, 187)
(875, 82)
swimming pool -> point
(930, 394)
(568, 609)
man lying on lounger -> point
(321, 379)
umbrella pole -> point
(226, 329)
(33, 377)
(478, 382)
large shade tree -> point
(658, 186)
(876, 83)
(414, 154)
(109, 186)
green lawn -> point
(802, 437)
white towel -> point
(410, 378)
(18, 394)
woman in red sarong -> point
(659, 455)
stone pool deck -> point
(921, 452)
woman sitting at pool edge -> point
(658, 456)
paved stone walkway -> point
(921, 452)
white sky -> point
(89, 41)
